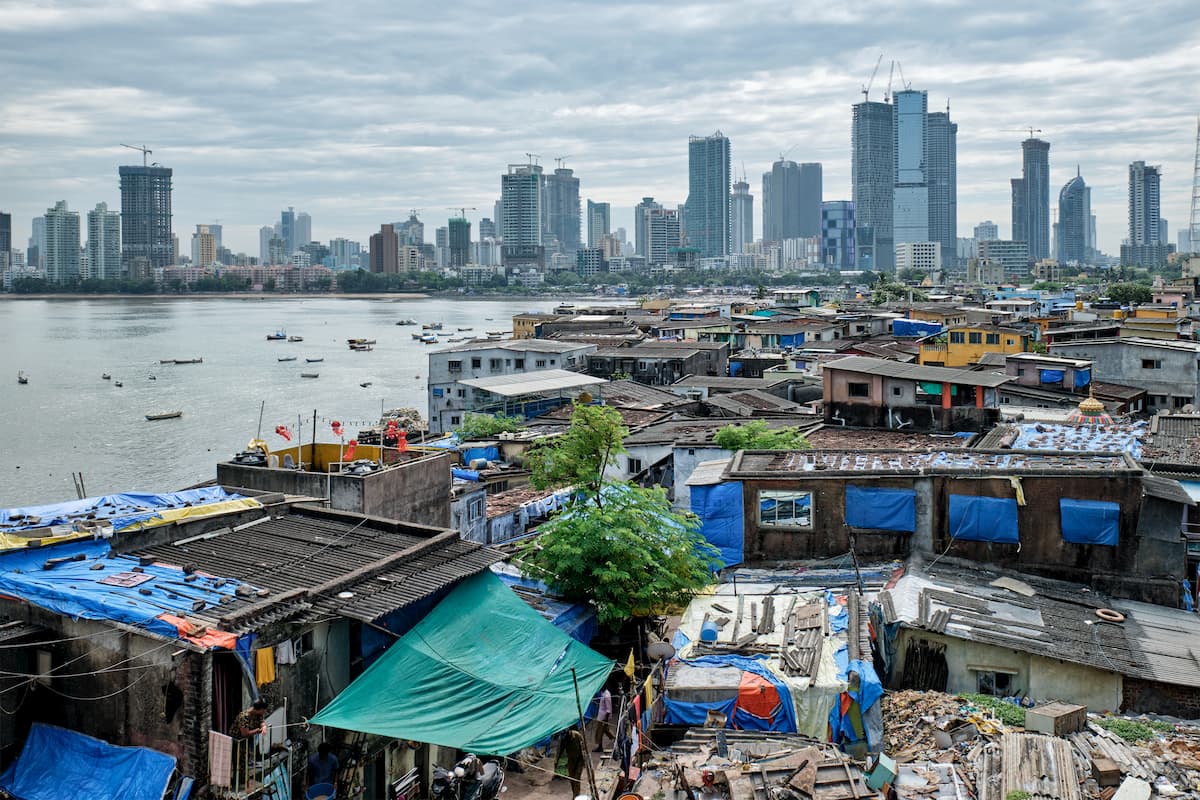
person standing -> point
(249, 723)
(322, 765)
(603, 719)
(574, 748)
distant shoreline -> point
(221, 296)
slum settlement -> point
(954, 544)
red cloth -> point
(757, 696)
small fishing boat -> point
(444, 333)
(287, 358)
(153, 377)
(361, 348)
(464, 329)
(166, 361)
(310, 374)
(407, 322)
(295, 338)
(432, 326)
(22, 379)
(496, 334)
(105, 377)
(314, 360)
(189, 360)
(429, 338)
(118, 384)
(164, 415)
(354, 343)
(277, 336)
(418, 336)
(365, 384)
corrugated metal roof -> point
(306, 559)
(544, 380)
(787, 464)
(915, 372)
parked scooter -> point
(471, 779)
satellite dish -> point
(660, 650)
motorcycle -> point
(471, 779)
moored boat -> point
(314, 360)
(465, 329)
(295, 338)
(361, 348)
(287, 358)
(353, 342)
(164, 415)
(417, 336)
(429, 338)
(432, 326)
(105, 377)
(188, 360)
(22, 378)
(407, 322)
(310, 374)
(277, 336)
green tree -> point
(631, 558)
(1047, 286)
(755, 435)
(481, 426)
(911, 275)
(1126, 293)
(579, 457)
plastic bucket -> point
(321, 791)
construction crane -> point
(1031, 130)
(532, 157)
(903, 82)
(561, 161)
(866, 89)
(145, 151)
(412, 212)
(887, 95)
(462, 210)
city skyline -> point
(278, 134)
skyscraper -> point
(873, 170)
(459, 241)
(562, 210)
(104, 242)
(742, 218)
(204, 247)
(1073, 221)
(706, 222)
(385, 250)
(941, 172)
(287, 230)
(487, 229)
(521, 227)
(37, 245)
(662, 234)
(265, 234)
(5, 242)
(146, 242)
(303, 230)
(837, 234)
(1031, 199)
(910, 202)
(791, 201)
(599, 221)
(62, 244)
(1145, 247)
(640, 245)
(987, 231)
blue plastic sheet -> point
(122, 510)
(719, 507)
(914, 327)
(841, 657)
(73, 588)
(881, 509)
(472, 453)
(1050, 375)
(465, 474)
(577, 620)
(867, 695)
(735, 368)
(1082, 377)
(58, 763)
(983, 519)
(785, 720)
(1090, 521)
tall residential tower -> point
(1031, 199)
(873, 171)
(706, 216)
(146, 235)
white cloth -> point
(220, 758)
(285, 652)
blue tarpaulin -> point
(465, 474)
(841, 721)
(881, 509)
(783, 720)
(58, 763)
(577, 620)
(983, 519)
(1082, 377)
(472, 453)
(719, 507)
(122, 510)
(1050, 375)
(914, 327)
(1090, 521)
(735, 368)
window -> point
(494, 364)
(998, 683)
(1151, 363)
(519, 363)
(462, 392)
(476, 508)
(635, 465)
(785, 508)
(553, 362)
(455, 420)
(956, 337)
(897, 391)
(1010, 342)
(508, 362)
(476, 363)
(1157, 400)
(541, 362)
(1180, 402)
(1020, 371)
(859, 389)
(454, 366)
(975, 337)
(993, 338)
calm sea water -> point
(67, 419)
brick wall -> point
(1150, 697)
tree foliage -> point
(631, 558)
(755, 435)
(888, 289)
(481, 426)
(579, 457)
(1126, 293)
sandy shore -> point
(222, 296)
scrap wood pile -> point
(785, 625)
(997, 761)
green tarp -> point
(482, 672)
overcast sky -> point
(358, 111)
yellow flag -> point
(630, 670)
(649, 687)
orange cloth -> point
(757, 696)
(210, 637)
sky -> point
(357, 112)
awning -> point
(59, 763)
(483, 672)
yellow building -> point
(525, 325)
(944, 315)
(965, 345)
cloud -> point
(358, 111)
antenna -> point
(144, 150)
(866, 89)
(561, 161)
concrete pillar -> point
(945, 395)
(922, 539)
(979, 390)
